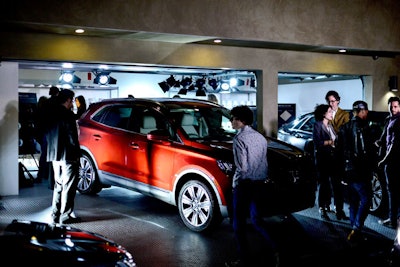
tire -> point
(88, 177)
(379, 196)
(198, 207)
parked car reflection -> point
(41, 244)
(299, 133)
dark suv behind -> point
(180, 152)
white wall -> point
(307, 95)
(9, 129)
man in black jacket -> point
(356, 145)
(64, 152)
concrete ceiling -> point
(176, 38)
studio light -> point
(68, 77)
(182, 91)
(200, 92)
(225, 86)
(393, 83)
(213, 83)
(172, 82)
(186, 82)
(164, 86)
(104, 78)
(200, 83)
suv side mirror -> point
(159, 136)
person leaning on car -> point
(357, 151)
(63, 151)
(390, 145)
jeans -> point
(392, 173)
(246, 197)
(359, 203)
(66, 178)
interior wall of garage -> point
(307, 95)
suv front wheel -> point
(197, 206)
(88, 180)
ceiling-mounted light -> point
(200, 92)
(164, 86)
(225, 86)
(172, 82)
(200, 83)
(393, 83)
(213, 83)
(68, 77)
(182, 91)
(235, 82)
(104, 78)
(186, 82)
(253, 83)
(191, 88)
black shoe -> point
(388, 222)
(277, 259)
(340, 215)
(55, 220)
(71, 220)
(328, 209)
(236, 263)
(354, 236)
(324, 214)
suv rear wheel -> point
(379, 196)
(197, 206)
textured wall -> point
(368, 24)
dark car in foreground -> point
(180, 152)
(299, 133)
(42, 244)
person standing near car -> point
(324, 137)
(391, 147)
(339, 118)
(356, 146)
(80, 103)
(63, 151)
(250, 158)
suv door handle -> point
(134, 145)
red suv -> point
(180, 151)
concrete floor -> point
(153, 232)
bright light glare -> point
(67, 77)
(225, 86)
(233, 82)
(103, 79)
